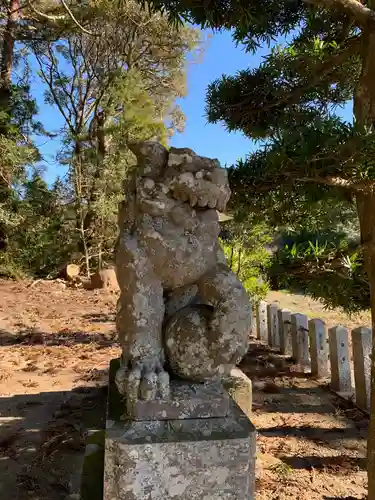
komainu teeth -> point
(212, 203)
(180, 196)
(202, 202)
(219, 206)
(193, 200)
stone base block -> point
(199, 458)
(239, 388)
(92, 471)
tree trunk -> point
(92, 226)
(7, 59)
(366, 212)
(5, 94)
(239, 261)
(231, 258)
(364, 112)
(101, 151)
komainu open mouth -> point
(194, 201)
(202, 189)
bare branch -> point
(49, 17)
(49, 81)
(75, 20)
(61, 17)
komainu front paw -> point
(143, 380)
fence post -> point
(285, 328)
(300, 340)
(341, 377)
(319, 351)
(262, 321)
(273, 326)
(253, 327)
(362, 348)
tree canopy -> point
(112, 72)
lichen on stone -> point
(179, 300)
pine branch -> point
(362, 186)
(362, 14)
(317, 72)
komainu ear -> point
(152, 158)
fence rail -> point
(325, 353)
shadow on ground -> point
(309, 440)
(41, 458)
(342, 464)
(344, 498)
(100, 317)
(65, 337)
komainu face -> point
(199, 181)
(185, 176)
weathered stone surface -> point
(362, 348)
(186, 458)
(273, 326)
(341, 377)
(300, 341)
(178, 297)
(253, 327)
(319, 350)
(93, 467)
(261, 314)
(185, 400)
(181, 297)
(240, 389)
(205, 468)
(285, 328)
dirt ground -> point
(55, 346)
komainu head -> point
(190, 178)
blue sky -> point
(221, 56)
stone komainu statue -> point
(180, 304)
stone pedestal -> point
(240, 389)
(193, 454)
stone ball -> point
(187, 345)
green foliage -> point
(245, 248)
(41, 240)
(253, 23)
(110, 89)
(289, 204)
(310, 164)
(326, 267)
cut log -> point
(70, 272)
